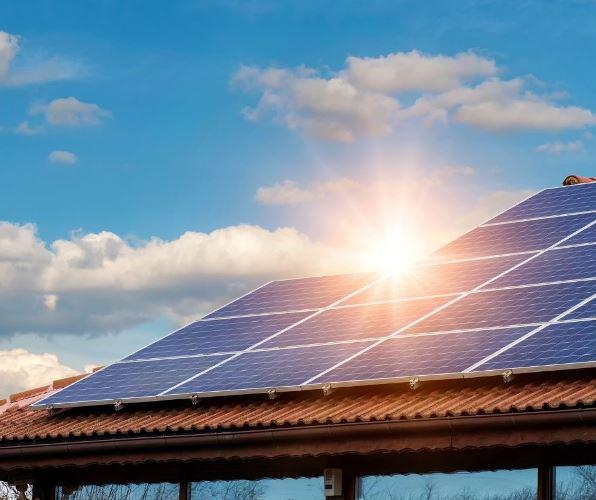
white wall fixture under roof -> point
(515, 294)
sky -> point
(158, 159)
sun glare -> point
(392, 253)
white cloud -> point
(557, 147)
(405, 71)
(63, 157)
(24, 128)
(363, 99)
(528, 114)
(9, 46)
(99, 282)
(21, 370)
(71, 112)
(325, 108)
(290, 193)
(33, 68)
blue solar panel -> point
(513, 238)
(586, 311)
(354, 323)
(423, 354)
(516, 306)
(296, 294)
(557, 344)
(436, 279)
(133, 380)
(221, 335)
(270, 369)
(586, 236)
(556, 201)
(271, 350)
(554, 265)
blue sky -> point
(159, 158)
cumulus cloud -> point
(32, 68)
(21, 369)
(99, 282)
(63, 157)
(525, 114)
(327, 108)
(558, 147)
(71, 112)
(364, 99)
(290, 193)
(407, 71)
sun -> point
(393, 252)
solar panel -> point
(587, 236)
(553, 202)
(515, 237)
(436, 279)
(514, 293)
(557, 344)
(223, 335)
(137, 379)
(510, 306)
(358, 322)
(263, 370)
(414, 355)
(560, 264)
(298, 294)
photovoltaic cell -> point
(355, 323)
(423, 355)
(512, 238)
(554, 265)
(586, 236)
(556, 201)
(516, 306)
(557, 344)
(132, 380)
(436, 279)
(586, 311)
(222, 335)
(270, 369)
(296, 294)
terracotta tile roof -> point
(577, 179)
(527, 393)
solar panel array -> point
(516, 293)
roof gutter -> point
(451, 425)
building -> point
(527, 431)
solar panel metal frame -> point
(472, 371)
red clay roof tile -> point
(389, 402)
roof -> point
(526, 393)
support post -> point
(546, 482)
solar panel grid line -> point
(314, 314)
(456, 299)
(530, 219)
(578, 245)
(259, 315)
(533, 285)
(530, 334)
